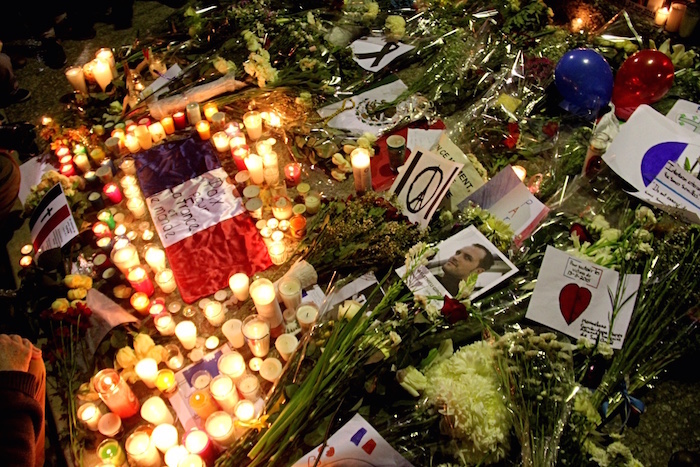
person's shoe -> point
(20, 95)
(52, 52)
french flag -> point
(201, 220)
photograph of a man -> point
(470, 259)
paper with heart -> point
(573, 296)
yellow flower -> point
(158, 353)
(142, 345)
(60, 305)
(126, 357)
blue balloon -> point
(584, 79)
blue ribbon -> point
(631, 406)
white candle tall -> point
(76, 78)
(675, 16)
(220, 427)
(255, 168)
(155, 411)
(107, 55)
(147, 370)
(361, 170)
(262, 291)
(164, 437)
(194, 115)
(661, 16)
(224, 392)
(155, 257)
(186, 332)
(102, 73)
(233, 332)
(141, 451)
(253, 124)
(239, 284)
(257, 334)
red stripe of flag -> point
(54, 221)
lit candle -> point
(81, 162)
(661, 16)
(273, 120)
(237, 140)
(224, 392)
(218, 121)
(155, 411)
(168, 125)
(253, 124)
(125, 257)
(116, 393)
(27, 249)
(76, 78)
(106, 55)
(262, 291)
(105, 244)
(312, 203)
(257, 334)
(203, 404)
(143, 136)
(198, 442)
(100, 229)
(180, 120)
(211, 343)
(277, 236)
(26, 261)
(177, 457)
(131, 192)
(113, 146)
(141, 451)
(239, 154)
(110, 425)
(87, 71)
(147, 370)
(166, 281)
(110, 452)
(97, 155)
(220, 140)
(67, 170)
(139, 280)
(203, 130)
(119, 133)
(278, 254)
(137, 206)
(214, 312)
(232, 365)
(175, 359)
(234, 334)
(186, 333)
(132, 144)
(157, 132)
(165, 324)
(89, 414)
(249, 388)
(292, 173)
(255, 167)
(298, 226)
(220, 428)
(245, 410)
(111, 191)
(155, 257)
(576, 25)
(140, 302)
(210, 108)
(361, 170)
(282, 208)
(193, 113)
(290, 292)
(675, 16)
(306, 316)
(164, 437)
(102, 73)
(165, 381)
(520, 171)
(286, 344)
(255, 363)
(271, 369)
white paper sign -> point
(193, 206)
(31, 172)
(419, 138)
(676, 189)
(645, 143)
(355, 116)
(356, 444)
(686, 114)
(159, 85)
(468, 179)
(423, 184)
(573, 296)
(52, 224)
(374, 53)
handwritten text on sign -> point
(583, 271)
(193, 206)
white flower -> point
(401, 310)
(411, 380)
(599, 223)
(610, 235)
(645, 216)
(339, 37)
(605, 350)
(395, 338)
(645, 248)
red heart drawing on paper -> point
(573, 300)
(330, 452)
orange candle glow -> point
(203, 130)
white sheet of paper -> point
(353, 289)
(423, 183)
(155, 86)
(419, 138)
(468, 179)
(356, 443)
(676, 189)
(31, 172)
(573, 296)
(354, 118)
(645, 143)
(374, 53)
(686, 114)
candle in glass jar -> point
(110, 452)
(97, 155)
(218, 121)
(180, 120)
(312, 203)
(125, 257)
(186, 332)
(132, 144)
(110, 425)
(76, 78)
(137, 206)
(157, 132)
(81, 162)
(168, 125)
(89, 414)
(197, 442)
(105, 244)
(292, 173)
(249, 387)
(286, 344)
(177, 456)
(245, 410)
(140, 302)
(175, 359)
(306, 316)
(155, 257)
(203, 404)
(255, 167)
(155, 411)
(143, 136)
(224, 392)
(282, 208)
(237, 140)
(221, 429)
(239, 154)
(203, 130)
(262, 291)
(214, 312)
(67, 170)
(102, 73)
(232, 365)
(257, 334)
(165, 324)
(253, 124)
(107, 56)
(111, 191)
(361, 172)
(290, 292)
(166, 281)
(210, 108)
(147, 370)
(278, 254)
(220, 140)
(139, 280)
(116, 393)
(100, 229)
(271, 369)
(233, 332)
(165, 381)
(194, 115)
(141, 451)
(255, 363)
(164, 437)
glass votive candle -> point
(139, 280)
(292, 174)
(220, 141)
(238, 140)
(307, 314)
(76, 78)
(286, 344)
(89, 415)
(239, 154)
(290, 292)
(180, 120)
(277, 236)
(249, 387)
(137, 206)
(140, 302)
(253, 124)
(157, 132)
(132, 192)
(214, 312)
(255, 363)
(257, 334)
(165, 324)
(278, 252)
(283, 225)
(203, 130)
(312, 202)
(164, 437)
(165, 381)
(155, 257)
(271, 369)
(132, 143)
(297, 224)
(128, 180)
(203, 404)
(111, 191)
(116, 393)
(175, 359)
(224, 391)
(221, 429)
(166, 281)
(218, 121)
(245, 410)
(210, 108)
(141, 451)
(197, 442)
(177, 456)
(168, 125)
(201, 379)
(232, 365)
(109, 451)
(254, 165)
(100, 230)
(110, 425)
(194, 115)
(254, 207)
(155, 411)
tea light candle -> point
(164, 437)
(139, 280)
(278, 254)
(165, 324)
(312, 203)
(255, 168)
(362, 174)
(155, 257)
(140, 302)
(81, 162)
(76, 78)
(203, 404)
(262, 291)
(265, 232)
(214, 312)
(245, 410)
(255, 363)
(220, 140)
(67, 170)
(292, 174)
(253, 124)
(224, 392)
(110, 452)
(198, 442)
(203, 130)
(271, 369)
(141, 451)
(232, 365)
(186, 333)
(177, 457)
(193, 113)
(89, 414)
(111, 191)
(675, 16)
(166, 281)
(110, 425)
(137, 206)
(249, 388)
(218, 121)
(661, 16)
(132, 144)
(116, 393)
(124, 257)
(232, 330)
(306, 316)
(211, 343)
(143, 136)
(283, 226)
(165, 381)
(157, 132)
(180, 120)
(147, 370)
(286, 344)
(210, 108)
(277, 236)
(220, 428)
(290, 292)
(257, 334)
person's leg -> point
(37, 368)
(8, 82)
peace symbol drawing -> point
(423, 189)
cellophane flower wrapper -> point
(617, 39)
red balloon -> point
(644, 78)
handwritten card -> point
(676, 191)
(422, 185)
(418, 137)
(374, 53)
(576, 297)
(686, 114)
(356, 443)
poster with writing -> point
(468, 179)
(374, 53)
(52, 224)
(194, 206)
(423, 183)
(422, 138)
(676, 191)
(577, 297)
(355, 444)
